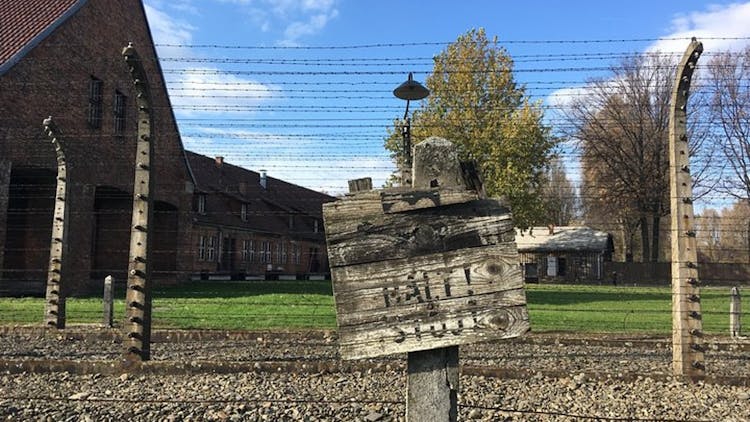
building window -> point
(202, 248)
(531, 271)
(265, 252)
(277, 257)
(119, 111)
(315, 226)
(201, 204)
(562, 266)
(94, 118)
(283, 253)
(296, 258)
(248, 251)
(291, 221)
(211, 249)
(243, 212)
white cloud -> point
(290, 158)
(167, 30)
(330, 175)
(203, 91)
(314, 24)
(196, 87)
(717, 27)
(299, 18)
(286, 157)
(724, 22)
(562, 97)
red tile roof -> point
(23, 23)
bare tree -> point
(724, 236)
(709, 235)
(735, 232)
(729, 79)
(560, 199)
(621, 123)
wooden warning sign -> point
(422, 269)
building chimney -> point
(551, 228)
(263, 179)
(219, 160)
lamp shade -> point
(411, 90)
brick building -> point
(62, 58)
(247, 224)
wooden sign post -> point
(422, 271)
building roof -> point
(245, 185)
(563, 239)
(24, 23)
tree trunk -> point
(645, 244)
(655, 232)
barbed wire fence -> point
(342, 107)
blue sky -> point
(250, 81)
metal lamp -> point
(409, 90)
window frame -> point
(95, 111)
(202, 248)
(211, 249)
(248, 251)
(119, 111)
(201, 206)
(243, 211)
(296, 255)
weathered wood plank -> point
(431, 312)
(358, 185)
(454, 328)
(497, 263)
(354, 240)
(424, 309)
(394, 201)
(365, 203)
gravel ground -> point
(547, 378)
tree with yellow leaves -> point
(476, 103)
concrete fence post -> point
(735, 313)
(687, 327)
(138, 294)
(107, 301)
(54, 307)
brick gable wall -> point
(53, 79)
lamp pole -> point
(409, 90)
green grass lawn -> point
(618, 309)
(309, 305)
